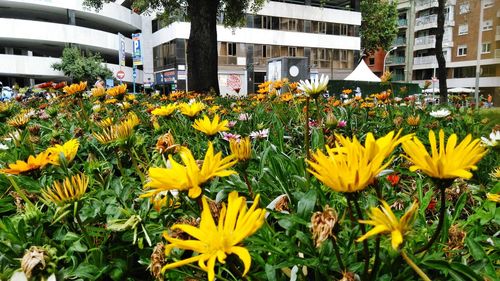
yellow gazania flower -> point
(383, 145)
(493, 197)
(165, 110)
(189, 176)
(385, 221)
(98, 92)
(117, 90)
(210, 127)
(191, 110)
(413, 120)
(120, 131)
(75, 88)
(242, 149)
(19, 120)
(215, 242)
(110, 101)
(496, 173)
(33, 163)
(67, 191)
(451, 161)
(4, 107)
(68, 149)
(105, 122)
(286, 97)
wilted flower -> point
(330, 120)
(440, 113)
(413, 120)
(157, 261)
(166, 144)
(36, 258)
(322, 224)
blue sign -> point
(134, 72)
(110, 83)
(136, 49)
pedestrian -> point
(490, 101)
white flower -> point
(244, 117)
(440, 113)
(3, 146)
(96, 108)
(494, 139)
(315, 87)
(262, 134)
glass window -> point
(463, 29)
(464, 8)
(487, 25)
(231, 49)
(462, 50)
(485, 48)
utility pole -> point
(479, 50)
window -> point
(231, 49)
(463, 29)
(343, 29)
(292, 51)
(485, 48)
(371, 61)
(462, 50)
(464, 8)
(487, 25)
(343, 55)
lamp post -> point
(385, 57)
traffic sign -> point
(120, 74)
(434, 79)
(134, 73)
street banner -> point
(136, 49)
(121, 49)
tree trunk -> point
(202, 56)
(441, 71)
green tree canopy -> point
(379, 24)
(82, 67)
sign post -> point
(136, 55)
(120, 75)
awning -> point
(362, 73)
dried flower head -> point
(322, 224)
(166, 144)
(34, 259)
(157, 261)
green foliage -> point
(82, 67)
(378, 25)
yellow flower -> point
(120, 131)
(210, 127)
(19, 120)
(165, 110)
(67, 191)
(413, 120)
(68, 150)
(493, 197)
(75, 88)
(286, 97)
(117, 90)
(215, 242)
(110, 101)
(350, 166)
(105, 122)
(33, 163)
(242, 149)
(191, 110)
(496, 173)
(385, 221)
(98, 92)
(451, 161)
(189, 176)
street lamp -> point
(385, 57)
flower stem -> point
(337, 254)
(318, 114)
(306, 140)
(415, 267)
(80, 225)
(437, 232)
(365, 242)
(245, 177)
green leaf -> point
(306, 204)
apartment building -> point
(415, 53)
(33, 34)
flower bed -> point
(275, 186)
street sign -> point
(136, 49)
(121, 49)
(120, 74)
(134, 73)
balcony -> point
(393, 60)
(430, 60)
(402, 23)
(429, 42)
(399, 41)
(425, 4)
(430, 21)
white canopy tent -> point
(362, 73)
(458, 90)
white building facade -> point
(33, 34)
